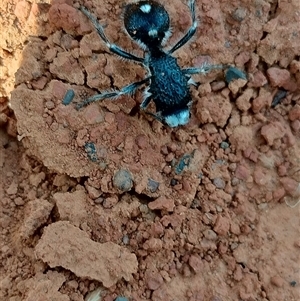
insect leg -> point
(205, 68)
(129, 89)
(191, 30)
(112, 47)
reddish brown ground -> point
(225, 228)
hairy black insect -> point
(148, 23)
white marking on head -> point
(152, 33)
(180, 118)
(145, 8)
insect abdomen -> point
(169, 85)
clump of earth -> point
(107, 202)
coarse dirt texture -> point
(106, 201)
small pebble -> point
(94, 295)
(216, 86)
(263, 206)
(234, 181)
(227, 44)
(174, 182)
(183, 162)
(99, 200)
(224, 144)
(121, 299)
(234, 245)
(123, 180)
(291, 186)
(91, 151)
(125, 239)
(277, 281)
(219, 183)
(281, 94)
(210, 234)
(69, 96)
(234, 73)
(152, 185)
(239, 14)
(110, 202)
(19, 201)
(50, 105)
(293, 283)
(278, 77)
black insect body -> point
(169, 90)
(147, 22)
